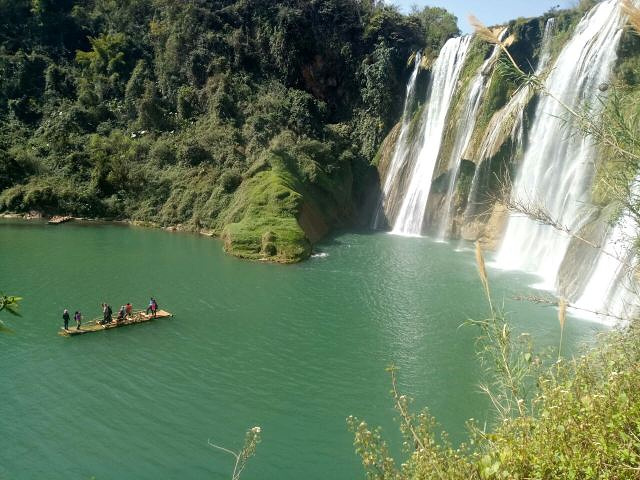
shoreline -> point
(178, 228)
(32, 216)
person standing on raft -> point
(78, 318)
(153, 307)
(65, 317)
(106, 314)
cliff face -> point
(487, 137)
(480, 141)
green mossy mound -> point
(266, 207)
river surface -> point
(293, 349)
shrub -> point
(230, 181)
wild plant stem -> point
(235, 475)
(403, 413)
(560, 345)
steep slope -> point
(169, 112)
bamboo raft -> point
(58, 219)
(94, 325)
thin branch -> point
(236, 455)
(536, 212)
(403, 413)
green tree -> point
(9, 303)
(106, 65)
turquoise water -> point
(294, 349)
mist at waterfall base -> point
(555, 171)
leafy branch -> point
(10, 303)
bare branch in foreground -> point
(252, 438)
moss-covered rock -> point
(265, 210)
(288, 201)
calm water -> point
(294, 349)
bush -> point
(230, 181)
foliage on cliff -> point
(158, 110)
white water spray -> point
(612, 289)
(557, 168)
(506, 123)
(466, 125)
(400, 153)
(446, 70)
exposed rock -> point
(488, 232)
(582, 253)
(385, 153)
(312, 222)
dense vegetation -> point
(582, 422)
(256, 120)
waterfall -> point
(611, 289)
(506, 123)
(401, 148)
(445, 73)
(465, 127)
(557, 167)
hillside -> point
(254, 120)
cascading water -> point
(445, 73)
(401, 149)
(466, 125)
(557, 168)
(612, 288)
(506, 122)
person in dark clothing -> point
(78, 318)
(153, 306)
(66, 318)
(106, 314)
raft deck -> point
(94, 326)
(58, 219)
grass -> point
(262, 218)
